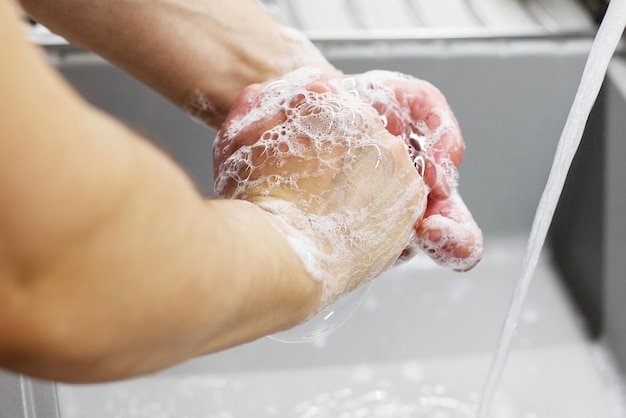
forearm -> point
(154, 278)
(198, 53)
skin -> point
(218, 47)
(111, 263)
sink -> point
(421, 338)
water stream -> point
(602, 50)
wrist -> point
(324, 253)
(285, 292)
(253, 48)
(200, 54)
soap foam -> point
(421, 133)
(200, 108)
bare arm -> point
(198, 53)
(111, 264)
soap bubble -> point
(327, 321)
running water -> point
(602, 50)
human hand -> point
(342, 188)
(419, 114)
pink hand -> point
(418, 113)
(341, 188)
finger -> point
(269, 123)
(449, 234)
(242, 128)
(433, 133)
(236, 131)
(260, 108)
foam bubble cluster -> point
(423, 126)
(200, 108)
(318, 129)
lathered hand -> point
(358, 172)
(320, 161)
